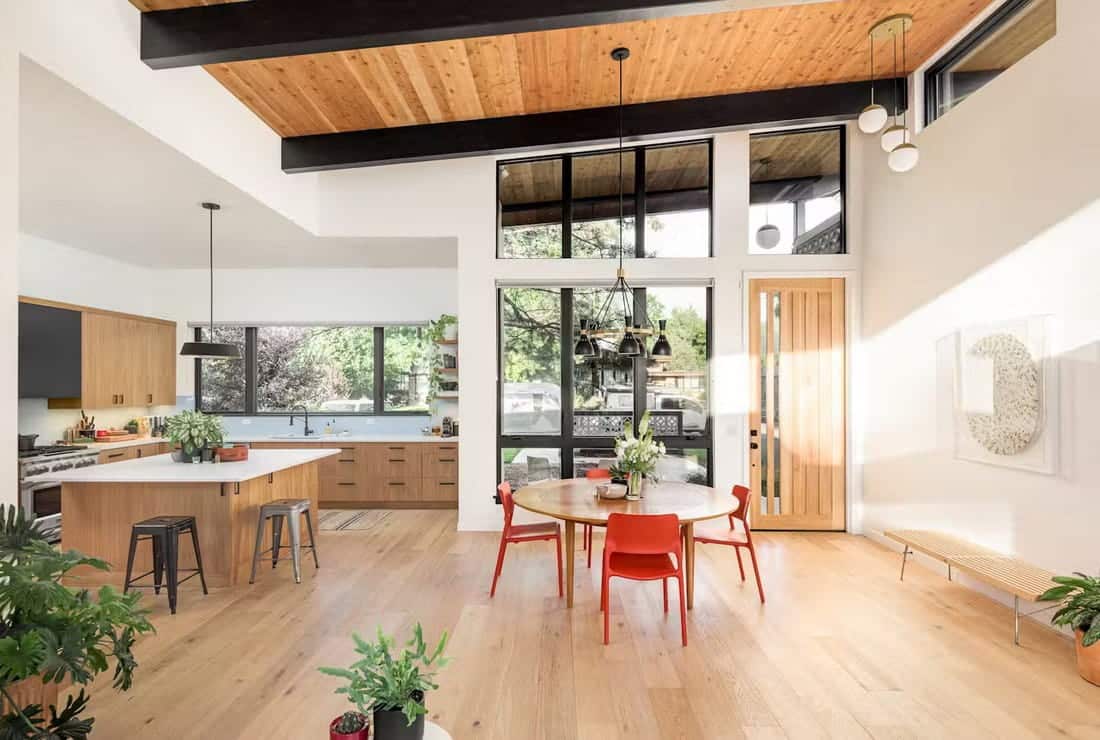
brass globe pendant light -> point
(631, 343)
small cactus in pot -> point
(349, 725)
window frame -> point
(251, 331)
(842, 136)
(996, 20)
(565, 441)
(639, 195)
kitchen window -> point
(337, 370)
(567, 206)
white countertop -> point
(162, 469)
(339, 438)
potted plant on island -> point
(1080, 598)
(391, 689)
(196, 433)
(51, 634)
(637, 456)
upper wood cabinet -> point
(125, 360)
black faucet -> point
(305, 412)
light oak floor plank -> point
(841, 649)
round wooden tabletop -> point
(573, 500)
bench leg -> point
(904, 557)
(1016, 619)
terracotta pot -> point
(363, 734)
(1088, 660)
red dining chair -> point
(640, 547)
(522, 533)
(738, 535)
(586, 534)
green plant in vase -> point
(195, 433)
(392, 688)
(52, 633)
(637, 455)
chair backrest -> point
(742, 512)
(643, 534)
(597, 474)
(505, 491)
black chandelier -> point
(594, 331)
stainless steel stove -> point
(40, 496)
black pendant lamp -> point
(632, 342)
(211, 350)
(661, 348)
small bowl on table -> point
(611, 491)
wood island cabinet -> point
(395, 475)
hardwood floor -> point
(840, 650)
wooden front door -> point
(797, 415)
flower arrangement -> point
(637, 454)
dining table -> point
(574, 501)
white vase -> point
(450, 332)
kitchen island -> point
(99, 504)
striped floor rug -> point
(335, 520)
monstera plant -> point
(53, 634)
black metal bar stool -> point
(290, 509)
(164, 532)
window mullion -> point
(379, 370)
(251, 372)
(566, 382)
(567, 207)
(639, 202)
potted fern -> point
(50, 634)
(1080, 598)
(196, 433)
(392, 689)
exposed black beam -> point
(590, 126)
(236, 31)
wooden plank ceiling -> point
(519, 74)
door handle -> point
(754, 432)
(753, 446)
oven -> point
(39, 495)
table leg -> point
(570, 556)
(689, 562)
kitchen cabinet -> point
(384, 475)
(117, 359)
(127, 361)
(118, 454)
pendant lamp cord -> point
(620, 163)
(895, 38)
(871, 39)
(904, 71)
(211, 274)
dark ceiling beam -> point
(590, 126)
(236, 31)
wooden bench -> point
(1022, 580)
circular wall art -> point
(1017, 397)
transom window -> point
(568, 206)
(326, 369)
(1012, 32)
(796, 192)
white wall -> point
(999, 221)
(9, 225)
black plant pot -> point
(207, 454)
(180, 456)
(390, 724)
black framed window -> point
(797, 183)
(337, 370)
(1012, 32)
(559, 415)
(567, 206)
